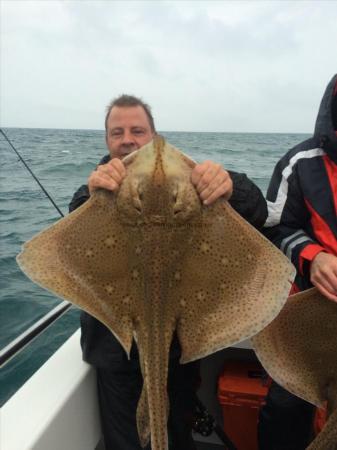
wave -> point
(65, 168)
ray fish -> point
(151, 260)
(299, 350)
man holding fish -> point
(129, 125)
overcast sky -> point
(258, 66)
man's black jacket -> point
(100, 347)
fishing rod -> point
(18, 344)
(32, 174)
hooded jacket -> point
(302, 195)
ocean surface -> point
(62, 161)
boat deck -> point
(63, 410)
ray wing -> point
(232, 284)
(299, 348)
(83, 259)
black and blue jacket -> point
(302, 195)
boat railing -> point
(25, 338)
(32, 332)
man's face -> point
(128, 129)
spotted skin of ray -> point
(151, 260)
(299, 350)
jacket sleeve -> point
(288, 217)
(80, 196)
(248, 200)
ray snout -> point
(157, 188)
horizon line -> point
(161, 131)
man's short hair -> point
(127, 101)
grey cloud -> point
(224, 66)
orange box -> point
(241, 393)
(320, 419)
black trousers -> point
(285, 421)
(119, 389)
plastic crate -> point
(242, 389)
(320, 419)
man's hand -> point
(211, 182)
(107, 176)
(323, 274)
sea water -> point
(62, 161)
